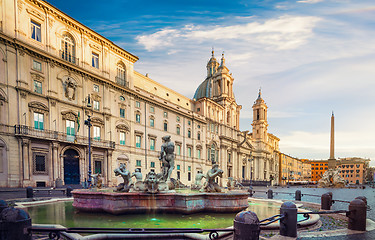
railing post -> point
(246, 226)
(14, 224)
(3, 205)
(357, 215)
(69, 191)
(363, 198)
(326, 201)
(250, 190)
(29, 192)
(298, 195)
(288, 224)
(270, 194)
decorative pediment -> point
(38, 77)
(94, 46)
(35, 14)
(69, 115)
(123, 157)
(96, 120)
(152, 136)
(38, 107)
(123, 126)
(96, 97)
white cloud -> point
(159, 39)
(286, 32)
(310, 1)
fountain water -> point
(156, 192)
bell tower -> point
(223, 83)
(212, 65)
(260, 124)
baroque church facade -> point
(56, 73)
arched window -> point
(121, 74)
(213, 153)
(68, 49)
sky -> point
(309, 57)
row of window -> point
(319, 164)
(351, 166)
(68, 52)
(326, 168)
(70, 131)
(70, 127)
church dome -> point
(204, 89)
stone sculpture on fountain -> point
(142, 196)
(138, 185)
(210, 185)
(198, 181)
(153, 182)
(332, 178)
(125, 174)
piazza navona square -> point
(187, 120)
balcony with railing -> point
(122, 82)
(26, 131)
(69, 57)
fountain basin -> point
(138, 202)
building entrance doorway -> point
(71, 167)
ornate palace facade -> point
(50, 64)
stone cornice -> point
(54, 60)
(71, 22)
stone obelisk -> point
(332, 160)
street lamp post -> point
(88, 123)
(251, 160)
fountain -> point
(156, 192)
(332, 178)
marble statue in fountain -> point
(198, 181)
(155, 192)
(332, 178)
(210, 185)
(153, 183)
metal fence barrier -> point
(16, 223)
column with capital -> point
(55, 161)
(25, 161)
(109, 167)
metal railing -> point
(272, 219)
(68, 57)
(287, 218)
(22, 130)
(55, 233)
(255, 183)
(122, 82)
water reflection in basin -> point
(63, 213)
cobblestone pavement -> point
(286, 193)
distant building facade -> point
(318, 167)
(354, 170)
(56, 72)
